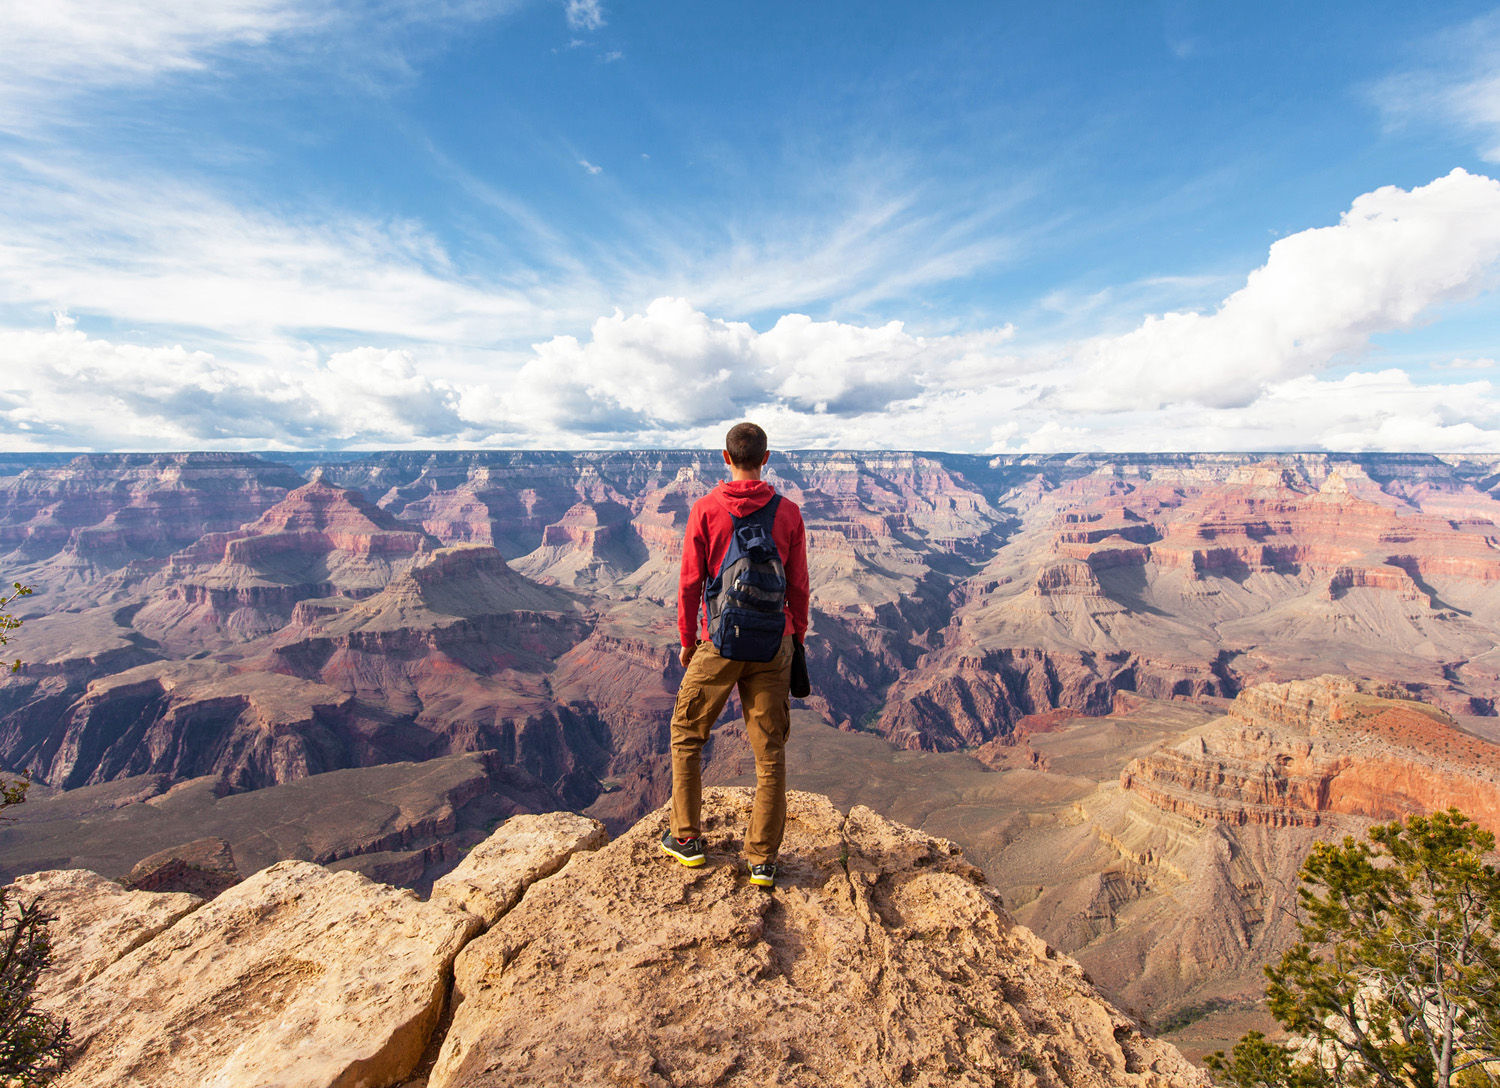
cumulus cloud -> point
(673, 366)
(673, 376)
(1364, 411)
(420, 361)
(63, 389)
(1393, 258)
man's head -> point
(745, 446)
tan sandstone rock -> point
(881, 958)
(296, 977)
(95, 921)
(490, 879)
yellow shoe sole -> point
(691, 863)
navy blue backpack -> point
(747, 597)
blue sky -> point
(590, 223)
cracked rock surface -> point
(95, 921)
(297, 977)
(492, 876)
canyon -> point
(1134, 687)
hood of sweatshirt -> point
(741, 497)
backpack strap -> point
(766, 513)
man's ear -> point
(764, 458)
(727, 459)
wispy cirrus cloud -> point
(159, 252)
(147, 249)
(875, 234)
(1458, 85)
(56, 54)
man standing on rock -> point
(741, 615)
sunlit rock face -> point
(295, 976)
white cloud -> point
(1379, 410)
(585, 14)
(1364, 411)
(62, 389)
(121, 41)
(590, 167)
(673, 376)
(673, 366)
(878, 242)
(1393, 258)
(156, 252)
(669, 376)
(1458, 87)
(340, 332)
(53, 51)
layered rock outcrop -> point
(404, 823)
(493, 876)
(204, 867)
(95, 922)
(98, 512)
(319, 541)
(1293, 754)
(1174, 883)
(1201, 575)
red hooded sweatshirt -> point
(709, 527)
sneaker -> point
(763, 874)
(688, 851)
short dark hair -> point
(746, 445)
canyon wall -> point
(261, 620)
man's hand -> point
(687, 654)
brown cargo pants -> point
(763, 687)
